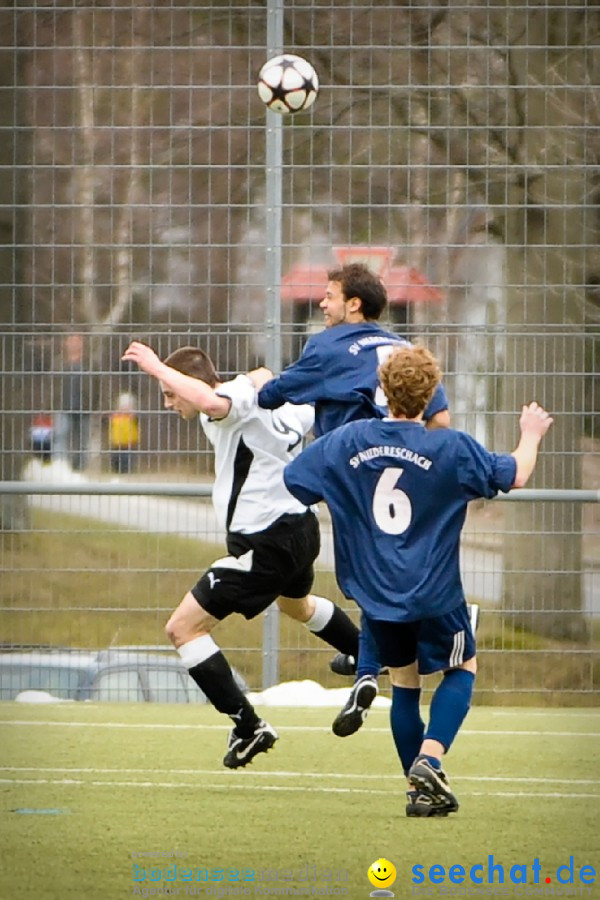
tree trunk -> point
(84, 172)
(549, 236)
(13, 509)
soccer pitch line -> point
(326, 729)
(548, 713)
(203, 786)
(343, 776)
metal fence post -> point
(274, 144)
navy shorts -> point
(444, 642)
(276, 562)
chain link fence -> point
(147, 193)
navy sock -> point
(368, 654)
(449, 706)
(407, 724)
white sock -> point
(322, 615)
(197, 651)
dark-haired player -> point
(337, 372)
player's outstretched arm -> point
(534, 423)
(302, 381)
(195, 391)
(145, 357)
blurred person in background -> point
(41, 436)
(123, 434)
(72, 420)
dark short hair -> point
(409, 377)
(357, 280)
(193, 362)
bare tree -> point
(520, 123)
(13, 509)
(464, 125)
(550, 228)
(501, 114)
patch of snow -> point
(307, 693)
(58, 471)
(39, 697)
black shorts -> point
(261, 567)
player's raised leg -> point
(367, 662)
(325, 619)
(353, 714)
(189, 630)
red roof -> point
(305, 284)
(408, 285)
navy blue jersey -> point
(337, 372)
(398, 494)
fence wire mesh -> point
(455, 149)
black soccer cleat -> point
(421, 806)
(433, 783)
(241, 751)
(345, 664)
(354, 713)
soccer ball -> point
(288, 84)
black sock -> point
(215, 678)
(340, 632)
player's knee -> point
(470, 665)
(177, 629)
(299, 609)
(405, 677)
(171, 630)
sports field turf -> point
(84, 787)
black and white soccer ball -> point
(288, 84)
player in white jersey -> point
(272, 538)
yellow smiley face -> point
(382, 873)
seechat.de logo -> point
(492, 872)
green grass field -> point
(84, 787)
(133, 580)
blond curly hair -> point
(409, 377)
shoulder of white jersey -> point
(303, 415)
(242, 394)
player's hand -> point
(260, 376)
(535, 420)
(144, 356)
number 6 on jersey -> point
(391, 507)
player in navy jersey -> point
(337, 372)
(272, 538)
(405, 491)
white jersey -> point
(252, 447)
